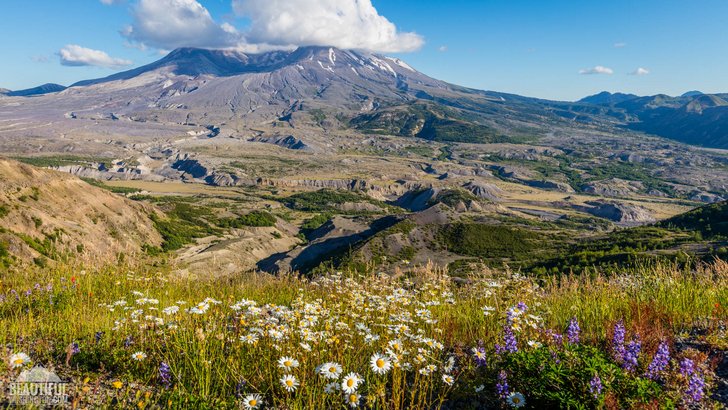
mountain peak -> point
(607, 98)
(692, 94)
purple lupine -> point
(36, 286)
(502, 386)
(511, 344)
(659, 362)
(555, 357)
(522, 306)
(595, 386)
(165, 374)
(572, 332)
(695, 390)
(75, 348)
(128, 341)
(240, 388)
(499, 349)
(98, 336)
(631, 354)
(687, 367)
(618, 341)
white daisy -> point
(516, 400)
(330, 370)
(287, 363)
(488, 310)
(19, 360)
(289, 382)
(353, 400)
(252, 401)
(351, 383)
(139, 356)
(447, 379)
(170, 310)
(250, 338)
(332, 387)
(380, 364)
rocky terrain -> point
(231, 131)
(47, 216)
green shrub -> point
(253, 219)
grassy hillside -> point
(711, 221)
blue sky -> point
(534, 48)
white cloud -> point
(620, 45)
(169, 24)
(640, 71)
(348, 24)
(271, 24)
(597, 70)
(111, 2)
(76, 56)
(442, 49)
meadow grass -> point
(221, 339)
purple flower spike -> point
(572, 332)
(631, 354)
(595, 386)
(659, 362)
(502, 386)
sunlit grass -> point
(334, 319)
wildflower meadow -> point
(141, 337)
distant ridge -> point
(40, 90)
(607, 98)
(692, 94)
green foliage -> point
(452, 197)
(710, 220)
(431, 122)
(115, 189)
(313, 223)
(613, 251)
(555, 378)
(253, 219)
(4, 211)
(318, 115)
(45, 246)
(60, 160)
(427, 152)
(489, 241)
(631, 172)
(185, 224)
(326, 201)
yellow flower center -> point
(516, 400)
(287, 363)
(289, 383)
(18, 361)
(350, 382)
(332, 369)
(380, 363)
(253, 402)
(353, 398)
